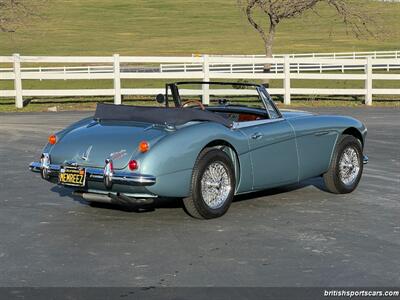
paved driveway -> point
(294, 236)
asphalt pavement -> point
(299, 235)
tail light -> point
(52, 139)
(144, 146)
(133, 165)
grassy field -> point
(182, 27)
(78, 103)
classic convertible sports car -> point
(203, 153)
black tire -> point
(195, 205)
(332, 178)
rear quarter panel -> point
(61, 133)
(172, 158)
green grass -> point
(89, 104)
(177, 27)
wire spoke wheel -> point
(346, 168)
(215, 185)
(349, 166)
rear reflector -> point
(133, 165)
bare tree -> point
(15, 13)
(277, 11)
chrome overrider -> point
(106, 175)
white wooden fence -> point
(274, 68)
(333, 55)
(299, 67)
(129, 65)
(237, 68)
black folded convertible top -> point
(157, 115)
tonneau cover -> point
(156, 115)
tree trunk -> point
(268, 44)
(270, 40)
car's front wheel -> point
(346, 167)
(213, 185)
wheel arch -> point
(230, 150)
(354, 132)
(182, 148)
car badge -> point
(85, 155)
(118, 155)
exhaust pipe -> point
(138, 201)
(94, 197)
(118, 198)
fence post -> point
(206, 77)
(368, 81)
(117, 80)
(19, 103)
(286, 80)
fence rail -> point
(117, 68)
(233, 68)
(332, 55)
(299, 67)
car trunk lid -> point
(92, 144)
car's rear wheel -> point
(213, 185)
(346, 167)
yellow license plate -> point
(72, 176)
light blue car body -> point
(266, 153)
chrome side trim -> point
(365, 159)
(95, 174)
(239, 125)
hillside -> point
(144, 27)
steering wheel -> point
(186, 103)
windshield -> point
(217, 94)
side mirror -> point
(160, 98)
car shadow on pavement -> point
(158, 202)
(316, 182)
(165, 203)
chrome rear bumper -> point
(97, 175)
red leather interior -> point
(247, 117)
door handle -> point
(257, 136)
